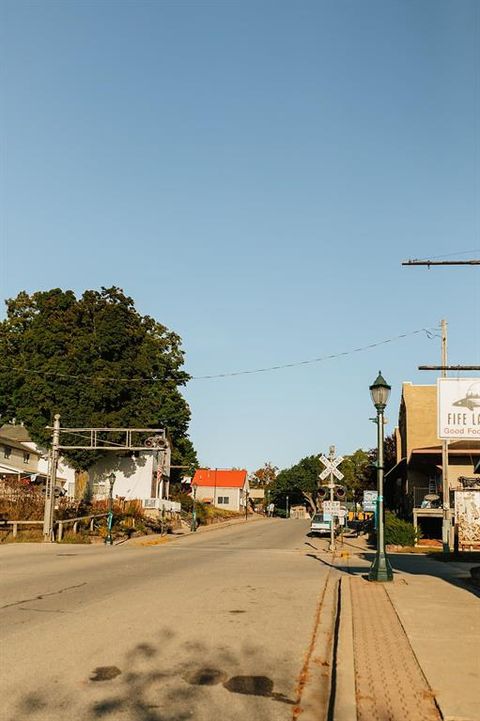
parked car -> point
(319, 525)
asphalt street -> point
(211, 626)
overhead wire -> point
(429, 332)
(449, 255)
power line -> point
(449, 255)
(427, 331)
(110, 379)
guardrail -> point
(59, 524)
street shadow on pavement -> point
(418, 565)
(146, 686)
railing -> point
(60, 524)
(75, 522)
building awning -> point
(452, 451)
(399, 467)
(4, 468)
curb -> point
(345, 707)
(314, 686)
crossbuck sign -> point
(331, 467)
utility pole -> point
(51, 483)
(446, 523)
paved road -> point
(213, 626)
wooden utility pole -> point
(447, 523)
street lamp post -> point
(380, 569)
(194, 509)
(286, 508)
(109, 538)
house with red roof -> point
(222, 488)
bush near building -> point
(397, 532)
(206, 514)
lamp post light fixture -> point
(380, 569)
(109, 538)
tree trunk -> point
(309, 498)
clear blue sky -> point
(253, 172)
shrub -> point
(71, 537)
(399, 532)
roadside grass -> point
(28, 535)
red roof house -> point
(222, 488)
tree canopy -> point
(97, 362)
(264, 476)
(300, 481)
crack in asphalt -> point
(41, 596)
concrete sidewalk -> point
(414, 647)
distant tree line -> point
(301, 481)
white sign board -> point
(458, 408)
(331, 507)
(467, 517)
(331, 467)
(370, 500)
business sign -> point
(458, 408)
(331, 507)
(370, 501)
(467, 517)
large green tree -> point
(357, 470)
(97, 362)
(300, 482)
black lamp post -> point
(109, 538)
(193, 526)
(380, 569)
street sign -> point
(370, 501)
(331, 507)
(331, 467)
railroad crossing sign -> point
(331, 507)
(331, 467)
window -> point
(26, 457)
(100, 490)
(225, 500)
(7, 451)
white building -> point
(227, 489)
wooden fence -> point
(58, 524)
